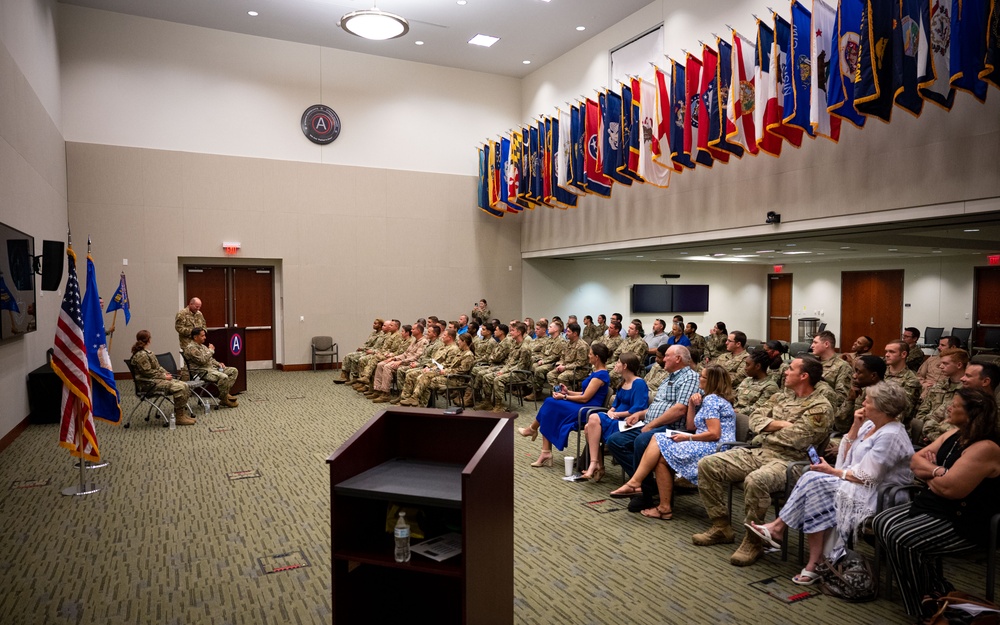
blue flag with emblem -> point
(873, 82)
(119, 301)
(847, 47)
(104, 393)
(576, 159)
(799, 71)
(611, 144)
(678, 112)
(991, 66)
(968, 46)
(911, 37)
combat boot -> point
(749, 552)
(184, 418)
(229, 401)
(469, 398)
(395, 401)
(720, 532)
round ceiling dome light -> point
(374, 24)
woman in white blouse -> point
(875, 451)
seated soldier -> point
(613, 338)
(929, 373)
(862, 347)
(934, 408)
(836, 372)
(149, 375)
(545, 360)
(408, 374)
(495, 380)
(982, 375)
(351, 360)
(574, 365)
(591, 331)
(200, 360)
(633, 343)
(868, 371)
(791, 423)
(914, 358)
(898, 373)
(453, 359)
(734, 360)
(385, 370)
(657, 373)
(396, 343)
(697, 341)
(755, 389)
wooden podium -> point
(458, 471)
(231, 350)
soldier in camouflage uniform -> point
(633, 343)
(497, 357)
(481, 312)
(791, 422)
(407, 375)
(149, 375)
(575, 362)
(591, 332)
(836, 372)
(446, 359)
(187, 319)
(550, 354)
(483, 345)
(715, 343)
(439, 382)
(657, 373)
(755, 389)
(614, 338)
(698, 342)
(934, 407)
(350, 363)
(868, 371)
(201, 361)
(494, 381)
(898, 373)
(915, 355)
(542, 339)
(735, 359)
(395, 343)
(384, 371)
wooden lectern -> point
(458, 470)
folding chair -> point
(199, 388)
(168, 363)
(522, 380)
(151, 397)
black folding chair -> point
(150, 397)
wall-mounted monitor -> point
(669, 298)
(17, 283)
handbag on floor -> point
(850, 578)
(960, 607)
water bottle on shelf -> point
(402, 534)
(173, 421)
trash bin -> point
(808, 328)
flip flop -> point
(764, 534)
(625, 494)
(654, 513)
(806, 578)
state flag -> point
(708, 105)
(508, 186)
(520, 189)
(824, 22)
(934, 84)
(629, 164)
(545, 133)
(483, 187)
(873, 90)
(679, 144)
(653, 131)
(597, 182)
(611, 141)
(798, 72)
(781, 66)
(561, 197)
(578, 141)
(991, 66)
(742, 96)
(564, 153)
(692, 92)
(720, 117)
(968, 46)
(911, 38)
(848, 48)
(766, 106)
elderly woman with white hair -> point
(875, 451)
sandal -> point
(806, 578)
(656, 513)
(625, 491)
(764, 534)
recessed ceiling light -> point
(796, 253)
(418, 43)
(935, 251)
(640, 256)
(484, 40)
(526, 62)
(971, 230)
(893, 249)
(764, 251)
(737, 249)
(845, 247)
(789, 245)
(718, 255)
(462, 2)
(684, 253)
(253, 13)
(581, 28)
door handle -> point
(987, 325)
(257, 328)
(788, 318)
(872, 322)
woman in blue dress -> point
(711, 417)
(632, 397)
(557, 416)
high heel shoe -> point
(532, 432)
(544, 460)
(594, 472)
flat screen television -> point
(669, 298)
(652, 298)
(17, 283)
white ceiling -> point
(534, 30)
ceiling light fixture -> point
(462, 2)
(483, 40)
(374, 24)
(581, 28)
(418, 43)
(253, 13)
(526, 62)
(971, 230)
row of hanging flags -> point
(802, 77)
(80, 359)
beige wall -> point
(352, 243)
(32, 176)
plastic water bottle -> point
(173, 421)
(402, 534)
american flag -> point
(69, 360)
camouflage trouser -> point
(569, 377)
(179, 392)
(482, 379)
(409, 381)
(223, 379)
(761, 476)
(541, 373)
(367, 364)
(350, 364)
(500, 383)
(422, 388)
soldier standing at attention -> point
(187, 319)
(202, 361)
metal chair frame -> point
(333, 351)
(150, 397)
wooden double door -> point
(987, 304)
(237, 297)
(871, 304)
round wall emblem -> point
(235, 345)
(320, 124)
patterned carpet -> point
(171, 539)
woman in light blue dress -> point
(711, 417)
